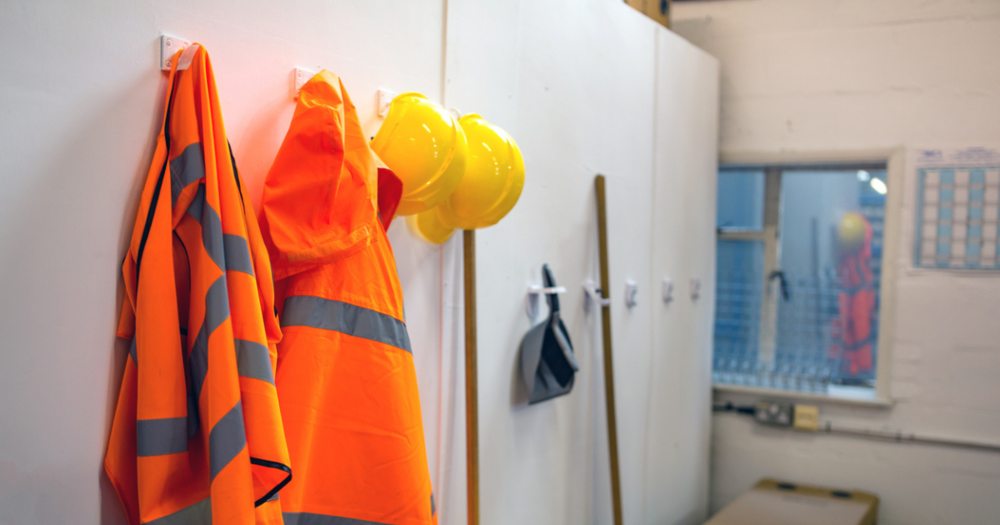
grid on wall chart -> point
(957, 213)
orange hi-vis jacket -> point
(346, 380)
(853, 330)
(197, 437)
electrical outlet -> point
(773, 413)
(806, 418)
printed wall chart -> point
(958, 202)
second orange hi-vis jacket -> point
(853, 328)
(197, 437)
(346, 380)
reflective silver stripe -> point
(308, 518)
(211, 228)
(216, 304)
(197, 370)
(132, 352)
(433, 509)
(357, 321)
(274, 497)
(156, 437)
(216, 312)
(211, 235)
(197, 205)
(198, 514)
(227, 439)
(254, 360)
(185, 169)
(237, 253)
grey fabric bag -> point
(548, 364)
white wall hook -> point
(384, 100)
(631, 292)
(169, 45)
(300, 76)
(593, 295)
(534, 298)
(695, 289)
(667, 289)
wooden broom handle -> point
(471, 378)
(609, 370)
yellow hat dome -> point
(424, 145)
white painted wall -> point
(584, 87)
(81, 102)
(587, 88)
(682, 239)
(857, 75)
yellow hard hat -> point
(852, 231)
(428, 226)
(494, 177)
(423, 144)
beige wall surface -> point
(808, 76)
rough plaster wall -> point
(574, 82)
(854, 74)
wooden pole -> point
(609, 370)
(471, 378)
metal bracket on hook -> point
(534, 294)
(169, 45)
(593, 295)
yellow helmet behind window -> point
(852, 231)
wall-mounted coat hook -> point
(593, 295)
(300, 76)
(383, 97)
(631, 292)
(695, 288)
(667, 290)
(169, 45)
(535, 293)
(383, 100)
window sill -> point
(841, 398)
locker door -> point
(685, 165)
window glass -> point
(830, 249)
(800, 311)
(740, 201)
(739, 274)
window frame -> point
(773, 164)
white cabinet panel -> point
(687, 99)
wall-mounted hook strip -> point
(169, 45)
(534, 298)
